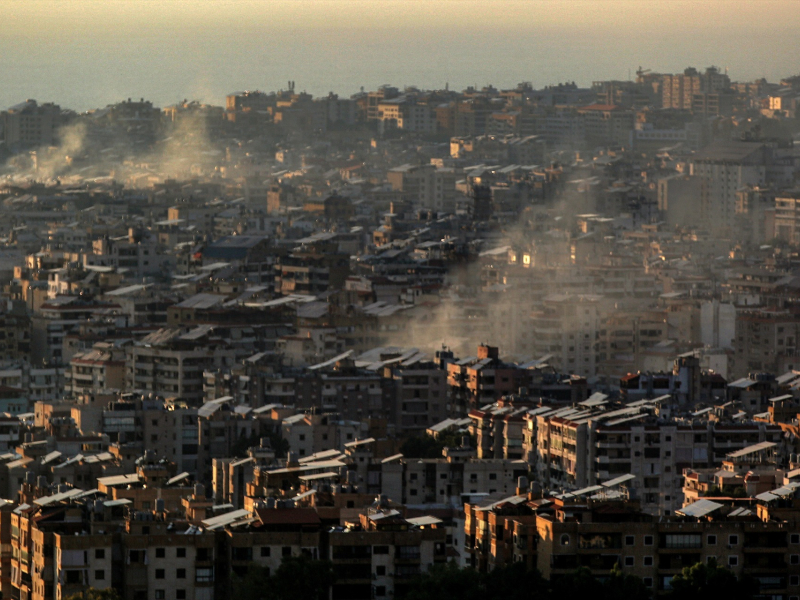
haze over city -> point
(88, 53)
(383, 300)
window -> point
(630, 540)
(286, 551)
(565, 540)
(180, 552)
(242, 553)
(629, 561)
(683, 540)
(159, 573)
(648, 561)
(160, 595)
(412, 492)
(380, 570)
(443, 476)
(180, 594)
(204, 574)
(492, 476)
(100, 553)
(794, 559)
(733, 561)
(380, 549)
(710, 559)
(180, 574)
(794, 580)
(711, 540)
(794, 538)
(265, 551)
(407, 552)
(161, 553)
(648, 540)
(100, 574)
(648, 581)
(733, 540)
(380, 590)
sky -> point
(84, 54)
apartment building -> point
(745, 473)
(606, 124)
(421, 389)
(170, 362)
(576, 449)
(787, 216)
(381, 557)
(765, 341)
(656, 552)
(97, 370)
(29, 124)
(723, 168)
(479, 380)
(55, 319)
(138, 253)
(41, 384)
(601, 527)
(498, 428)
(318, 430)
(677, 91)
(566, 330)
(426, 186)
(444, 481)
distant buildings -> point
(30, 125)
(553, 326)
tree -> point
(96, 594)
(302, 578)
(448, 581)
(711, 581)
(298, 578)
(620, 586)
(510, 582)
(516, 582)
(252, 585)
(581, 584)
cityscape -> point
(358, 346)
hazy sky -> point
(88, 53)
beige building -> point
(97, 370)
(29, 124)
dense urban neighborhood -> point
(350, 343)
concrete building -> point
(170, 362)
(580, 449)
(30, 125)
(723, 168)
